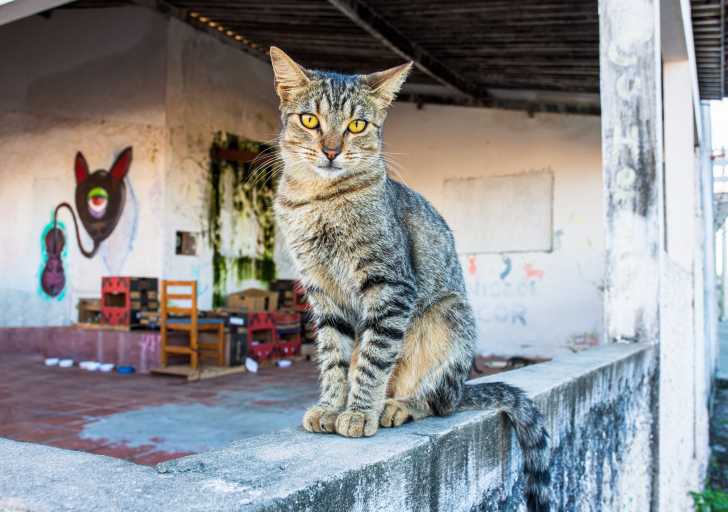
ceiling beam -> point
(375, 25)
(529, 106)
(15, 9)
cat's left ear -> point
(386, 84)
(121, 165)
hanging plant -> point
(253, 182)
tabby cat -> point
(396, 333)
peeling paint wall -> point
(532, 303)
(77, 81)
(97, 81)
(597, 405)
(211, 88)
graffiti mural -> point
(100, 198)
(53, 252)
(240, 222)
(501, 294)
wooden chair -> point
(187, 321)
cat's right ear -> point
(289, 76)
(81, 168)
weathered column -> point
(631, 151)
(724, 270)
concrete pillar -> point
(710, 289)
(631, 146)
(724, 274)
(680, 165)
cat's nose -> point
(331, 153)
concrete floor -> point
(142, 418)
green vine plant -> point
(253, 188)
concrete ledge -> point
(598, 406)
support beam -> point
(679, 133)
(381, 29)
(532, 107)
(18, 9)
(724, 274)
(630, 64)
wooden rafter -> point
(481, 48)
(374, 24)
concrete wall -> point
(597, 406)
(211, 87)
(687, 299)
(97, 81)
(535, 303)
(79, 81)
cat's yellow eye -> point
(357, 126)
(310, 121)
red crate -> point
(261, 351)
(261, 335)
(289, 348)
(285, 317)
(124, 298)
(260, 322)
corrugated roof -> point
(529, 54)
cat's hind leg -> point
(437, 353)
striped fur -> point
(396, 333)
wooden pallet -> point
(103, 327)
(202, 373)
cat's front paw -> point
(320, 419)
(357, 423)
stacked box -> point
(288, 332)
(238, 339)
(261, 335)
(252, 300)
(89, 311)
(125, 299)
(286, 293)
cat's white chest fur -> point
(319, 238)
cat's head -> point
(332, 123)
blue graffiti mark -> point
(202, 284)
(504, 313)
(519, 315)
(508, 267)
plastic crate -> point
(261, 351)
(288, 348)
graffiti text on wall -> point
(503, 298)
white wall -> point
(98, 80)
(211, 87)
(686, 313)
(559, 306)
(79, 81)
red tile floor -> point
(57, 407)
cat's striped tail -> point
(532, 436)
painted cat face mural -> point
(100, 199)
(100, 196)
